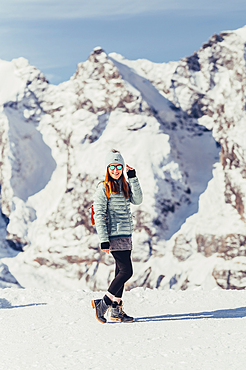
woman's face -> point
(115, 173)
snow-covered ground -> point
(56, 330)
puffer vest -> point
(113, 216)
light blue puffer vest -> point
(113, 217)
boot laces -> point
(121, 311)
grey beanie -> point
(112, 157)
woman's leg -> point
(119, 294)
(123, 272)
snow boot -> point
(117, 313)
(100, 307)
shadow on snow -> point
(218, 314)
(4, 304)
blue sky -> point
(55, 35)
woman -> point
(114, 227)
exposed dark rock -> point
(16, 244)
(193, 62)
(227, 246)
(231, 277)
(213, 40)
(182, 248)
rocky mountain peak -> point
(99, 77)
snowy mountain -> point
(182, 125)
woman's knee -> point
(128, 273)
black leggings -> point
(123, 272)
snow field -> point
(173, 330)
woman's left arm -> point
(136, 195)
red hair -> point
(112, 186)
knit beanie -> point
(112, 157)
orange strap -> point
(92, 215)
(92, 207)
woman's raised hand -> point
(128, 168)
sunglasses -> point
(112, 167)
